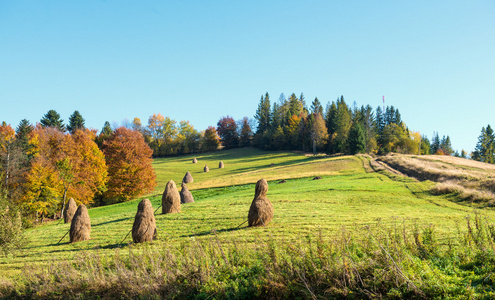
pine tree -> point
(485, 148)
(22, 133)
(263, 115)
(52, 119)
(76, 121)
(435, 143)
(357, 140)
(446, 145)
(316, 107)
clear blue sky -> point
(201, 60)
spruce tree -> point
(316, 107)
(52, 119)
(485, 147)
(76, 121)
(263, 115)
(356, 143)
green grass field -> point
(348, 198)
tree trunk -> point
(63, 206)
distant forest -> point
(44, 164)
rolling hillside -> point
(356, 198)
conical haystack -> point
(261, 210)
(195, 160)
(80, 227)
(70, 210)
(207, 169)
(220, 165)
(144, 227)
(185, 195)
(170, 199)
(188, 178)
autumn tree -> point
(210, 140)
(188, 138)
(130, 172)
(43, 187)
(81, 167)
(227, 130)
(76, 121)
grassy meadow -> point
(353, 233)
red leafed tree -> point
(227, 130)
(129, 165)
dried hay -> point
(70, 210)
(80, 227)
(144, 227)
(317, 178)
(195, 160)
(206, 169)
(188, 178)
(185, 195)
(220, 165)
(170, 199)
(261, 210)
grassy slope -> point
(347, 196)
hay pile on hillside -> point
(80, 227)
(70, 210)
(317, 178)
(261, 210)
(188, 178)
(144, 227)
(220, 165)
(185, 195)
(207, 169)
(170, 199)
(195, 160)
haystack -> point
(171, 199)
(144, 227)
(188, 178)
(185, 195)
(261, 210)
(80, 227)
(207, 169)
(220, 165)
(317, 178)
(70, 210)
(195, 160)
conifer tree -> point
(357, 140)
(52, 119)
(76, 121)
(316, 107)
(485, 148)
(263, 115)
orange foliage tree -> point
(81, 167)
(129, 160)
(63, 165)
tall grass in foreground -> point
(370, 262)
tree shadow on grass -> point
(214, 231)
(113, 221)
